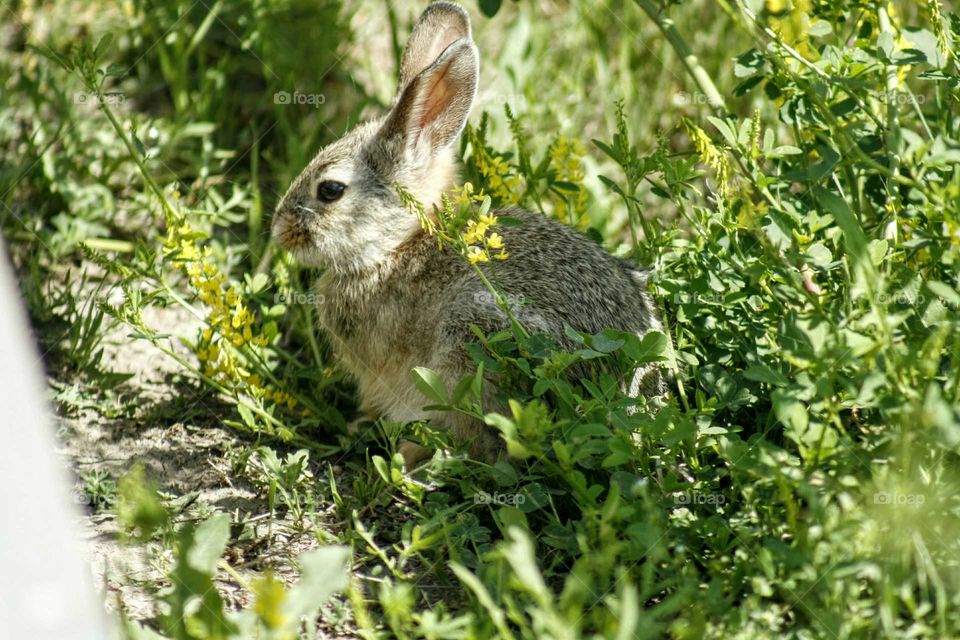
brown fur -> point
(392, 299)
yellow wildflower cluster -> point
(749, 209)
(416, 207)
(711, 156)
(565, 155)
(504, 184)
(230, 324)
(936, 19)
(477, 235)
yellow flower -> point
(495, 241)
(230, 325)
(569, 205)
(476, 254)
(711, 156)
(498, 174)
(475, 232)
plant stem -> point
(689, 59)
(169, 213)
(497, 298)
(893, 138)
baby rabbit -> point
(392, 299)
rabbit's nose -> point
(301, 209)
(292, 207)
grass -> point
(790, 169)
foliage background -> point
(800, 481)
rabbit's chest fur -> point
(385, 322)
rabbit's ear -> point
(440, 25)
(433, 108)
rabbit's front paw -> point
(413, 454)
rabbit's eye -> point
(330, 190)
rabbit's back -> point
(568, 279)
(554, 277)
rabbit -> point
(392, 299)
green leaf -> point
(853, 236)
(430, 384)
(748, 63)
(613, 186)
(210, 540)
(509, 516)
(105, 42)
(604, 342)
(325, 572)
(532, 497)
(247, 416)
(923, 48)
(629, 614)
(138, 145)
(944, 291)
(504, 474)
(520, 554)
(475, 585)
(815, 173)
(651, 348)
(761, 373)
(819, 255)
(821, 28)
(490, 8)
(784, 150)
(878, 251)
(380, 464)
(258, 283)
(726, 129)
(610, 151)
(790, 412)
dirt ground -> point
(174, 433)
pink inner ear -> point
(439, 94)
(438, 44)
